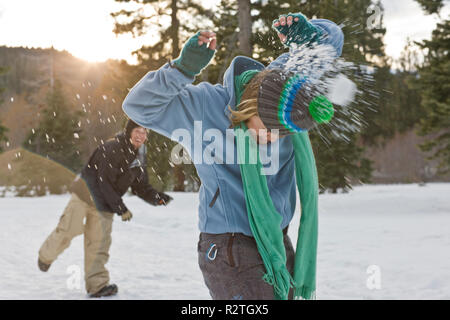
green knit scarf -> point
(265, 221)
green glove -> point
(127, 216)
(300, 31)
(194, 58)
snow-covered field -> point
(377, 242)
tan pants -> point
(97, 240)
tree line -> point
(415, 95)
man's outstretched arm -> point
(144, 190)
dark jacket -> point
(107, 176)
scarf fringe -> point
(304, 293)
(281, 281)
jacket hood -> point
(239, 65)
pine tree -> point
(245, 27)
(152, 57)
(407, 99)
(155, 13)
(3, 129)
(433, 82)
(343, 149)
(58, 135)
(226, 24)
(3, 137)
(339, 151)
(431, 6)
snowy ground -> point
(396, 238)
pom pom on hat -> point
(321, 109)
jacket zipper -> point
(214, 199)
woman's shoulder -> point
(214, 92)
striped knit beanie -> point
(129, 127)
(287, 102)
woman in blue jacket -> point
(165, 101)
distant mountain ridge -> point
(95, 88)
(98, 89)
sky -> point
(405, 18)
(84, 27)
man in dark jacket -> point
(97, 192)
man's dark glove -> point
(164, 199)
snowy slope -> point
(402, 230)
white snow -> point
(341, 90)
(397, 233)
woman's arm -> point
(165, 99)
(330, 34)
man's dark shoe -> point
(106, 291)
(43, 266)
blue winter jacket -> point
(165, 100)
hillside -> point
(31, 174)
(97, 89)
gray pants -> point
(233, 268)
